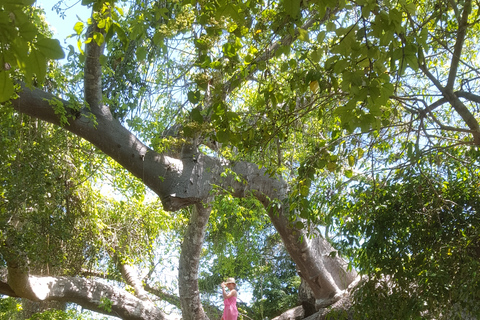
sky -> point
(63, 25)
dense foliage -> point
(367, 109)
(417, 238)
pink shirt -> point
(230, 311)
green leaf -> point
(232, 11)
(162, 13)
(78, 27)
(79, 45)
(28, 31)
(292, 7)
(141, 53)
(158, 39)
(98, 38)
(351, 161)
(196, 115)
(38, 64)
(103, 60)
(299, 225)
(6, 86)
(360, 152)
(223, 136)
(303, 35)
(348, 173)
(121, 33)
(50, 48)
(316, 55)
(321, 37)
(193, 97)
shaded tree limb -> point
(90, 294)
(468, 95)
(93, 70)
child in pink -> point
(230, 311)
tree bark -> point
(189, 261)
(131, 278)
(90, 294)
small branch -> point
(468, 96)
(170, 298)
(430, 76)
(466, 115)
(435, 105)
(97, 274)
(457, 52)
(455, 9)
(449, 128)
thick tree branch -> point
(307, 254)
(130, 276)
(178, 178)
(90, 294)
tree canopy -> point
(342, 133)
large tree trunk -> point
(189, 261)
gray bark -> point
(296, 313)
(189, 261)
(89, 294)
(131, 278)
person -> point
(230, 311)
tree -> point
(425, 203)
(249, 87)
